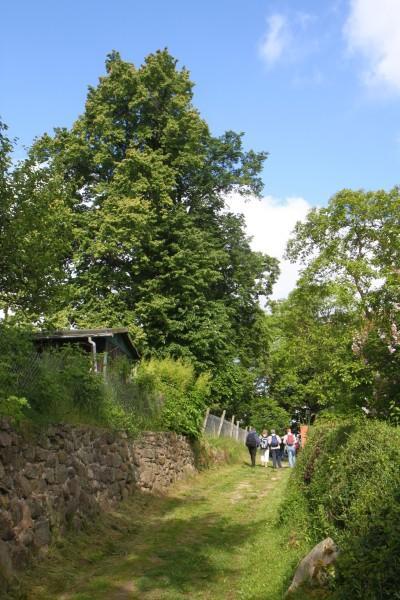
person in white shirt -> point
(264, 447)
(290, 443)
(274, 442)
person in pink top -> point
(290, 441)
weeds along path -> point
(213, 537)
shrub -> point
(179, 394)
(14, 408)
(348, 475)
(16, 364)
(54, 386)
(64, 388)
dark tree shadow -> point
(139, 549)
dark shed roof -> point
(118, 336)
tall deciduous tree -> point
(155, 248)
(354, 244)
(311, 358)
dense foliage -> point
(266, 413)
(311, 357)
(35, 236)
(60, 386)
(180, 395)
(336, 339)
(347, 480)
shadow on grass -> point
(141, 550)
(186, 554)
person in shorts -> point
(264, 448)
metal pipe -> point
(94, 353)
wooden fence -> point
(220, 427)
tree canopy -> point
(337, 338)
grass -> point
(215, 536)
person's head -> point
(252, 428)
(272, 431)
(265, 432)
(289, 430)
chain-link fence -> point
(220, 427)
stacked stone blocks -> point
(65, 475)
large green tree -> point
(311, 358)
(352, 247)
(35, 237)
(144, 183)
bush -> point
(14, 408)
(179, 394)
(64, 388)
(16, 364)
(348, 475)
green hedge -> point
(348, 478)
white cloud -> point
(373, 29)
(289, 38)
(270, 222)
(276, 39)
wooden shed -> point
(104, 344)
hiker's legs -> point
(264, 457)
(274, 453)
(253, 452)
(278, 458)
(291, 455)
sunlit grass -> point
(214, 536)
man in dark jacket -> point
(252, 443)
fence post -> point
(221, 423)
(232, 425)
(206, 419)
(237, 430)
(105, 363)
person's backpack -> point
(264, 443)
(252, 439)
(290, 439)
(274, 441)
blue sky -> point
(316, 84)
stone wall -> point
(68, 474)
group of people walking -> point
(272, 445)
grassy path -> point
(213, 537)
